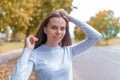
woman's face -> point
(55, 31)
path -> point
(9, 55)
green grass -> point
(114, 41)
(7, 46)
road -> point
(98, 63)
(4, 57)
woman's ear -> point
(45, 31)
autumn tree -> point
(79, 34)
(24, 16)
(106, 23)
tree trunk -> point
(28, 31)
(106, 41)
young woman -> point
(50, 52)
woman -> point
(50, 52)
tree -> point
(42, 8)
(24, 16)
(79, 34)
(106, 23)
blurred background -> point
(20, 18)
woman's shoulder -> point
(67, 47)
(34, 55)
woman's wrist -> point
(28, 48)
(68, 17)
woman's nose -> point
(58, 31)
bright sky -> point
(88, 8)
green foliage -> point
(106, 23)
(79, 34)
(25, 15)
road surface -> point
(98, 63)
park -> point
(19, 19)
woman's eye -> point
(53, 27)
(63, 28)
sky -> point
(88, 8)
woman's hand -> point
(30, 42)
(64, 13)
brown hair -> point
(42, 37)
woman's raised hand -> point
(64, 13)
(30, 42)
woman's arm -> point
(24, 65)
(92, 36)
(23, 68)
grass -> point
(7, 46)
(114, 41)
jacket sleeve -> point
(92, 37)
(23, 68)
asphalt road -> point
(98, 63)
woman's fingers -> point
(64, 14)
(30, 42)
(35, 39)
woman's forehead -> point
(57, 20)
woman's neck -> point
(51, 44)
